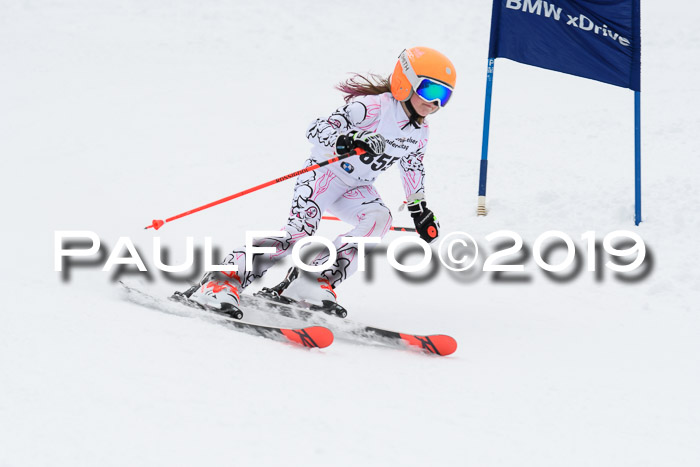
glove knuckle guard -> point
(373, 143)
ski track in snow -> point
(115, 113)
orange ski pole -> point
(158, 223)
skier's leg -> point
(314, 192)
(362, 207)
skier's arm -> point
(361, 114)
(412, 174)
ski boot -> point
(216, 291)
(313, 291)
(275, 293)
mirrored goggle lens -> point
(431, 90)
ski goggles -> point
(430, 91)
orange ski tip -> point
(446, 344)
(438, 344)
(322, 336)
(314, 336)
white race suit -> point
(346, 189)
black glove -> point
(426, 223)
(373, 143)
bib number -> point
(382, 162)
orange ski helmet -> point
(426, 72)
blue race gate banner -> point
(596, 39)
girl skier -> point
(385, 118)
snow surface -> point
(118, 112)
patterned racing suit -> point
(345, 189)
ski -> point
(436, 344)
(308, 336)
(324, 325)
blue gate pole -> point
(637, 159)
(481, 207)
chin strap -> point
(413, 115)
